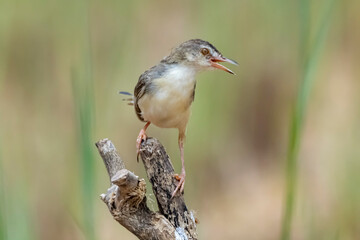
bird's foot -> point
(181, 184)
(142, 136)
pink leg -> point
(181, 177)
(142, 136)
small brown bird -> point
(164, 93)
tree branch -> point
(161, 173)
(126, 198)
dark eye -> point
(205, 51)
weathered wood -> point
(111, 158)
(126, 198)
(161, 173)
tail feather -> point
(129, 100)
(125, 93)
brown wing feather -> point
(145, 86)
(139, 91)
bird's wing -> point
(139, 92)
(145, 85)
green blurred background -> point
(271, 153)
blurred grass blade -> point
(83, 91)
(310, 64)
(19, 217)
(83, 103)
(3, 229)
(15, 210)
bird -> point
(164, 93)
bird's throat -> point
(177, 82)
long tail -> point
(129, 100)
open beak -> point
(215, 63)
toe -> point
(180, 186)
(177, 177)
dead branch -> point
(126, 198)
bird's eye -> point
(205, 51)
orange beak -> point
(215, 63)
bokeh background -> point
(271, 153)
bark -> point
(126, 197)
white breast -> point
(169, 105)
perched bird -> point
(164, 93)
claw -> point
(181, 184)
(142, 137)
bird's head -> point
(199, 54)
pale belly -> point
(169, 105)
(166, 110)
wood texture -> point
(161, 173)
(126, 197)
